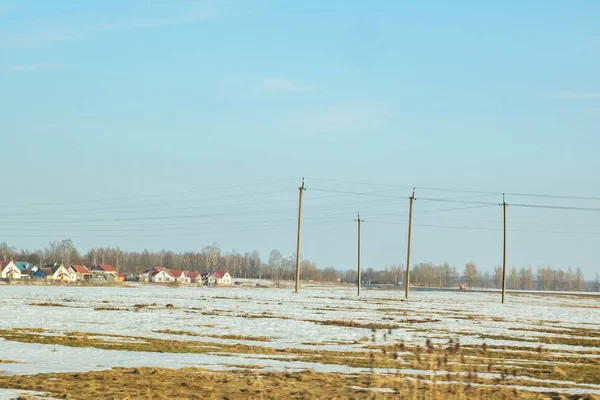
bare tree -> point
(118, 257)
(66, 251)
(570, 278)
(7, 252)
(579, 280)
(275, 261)
(471, 274)
(53, 251)
(40, 256)
(498, 276)
(514, 279)
(211, 255)
(526, 278)
(559, 280)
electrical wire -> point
(594, 209)
(486, 229)
(480, 192)
(150, 195)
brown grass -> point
(47, 304)
(230, 337)
(193, 383)
(354, 324)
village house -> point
(25, 266)
(180, 276)
(57, 272)
(47, 272)
(161, 275)
(27, 269)
(79, 273)
(104, 269)
(37, 274)
(194, 277)
(9, 270)
(219, 278)
(106, 272)
(131, 277)
(145, 276)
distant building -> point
(194, 277)
(25, 266)
(47, 273)
(9, 270)
(180, 276)
(161, 275)
(219, 278)
(108, 272)
(104, 269)
(79, 273)
(57, 272)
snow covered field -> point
(562, 331)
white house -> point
(9, 270)
(219, 278)
(162, 275)
(60, 273)
(180, 276)
(79, 273)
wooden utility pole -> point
(504, 205)
(407, 283)
(301, 190)
(358, 220)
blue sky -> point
(120, 99)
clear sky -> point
(123, 99)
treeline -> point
(543, 278)
(280, 267)
(210, 258)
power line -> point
(150, 195)
(479, 192)
(459, 201)
(595, 209)
(360, 183)
(116, 207)
(454, 209)
(248, 229)
(357, 193)
(551, 196)
(487, 229)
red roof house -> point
(81, 269)
(108, 269)
(220, 278)
(176, 273)
(79, 273)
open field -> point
(136, 342)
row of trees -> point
(447, 276)
(280, 267)
(211, 258)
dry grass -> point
(230, 337)
(47, 304)
(193, 383)
(354, 324)
(459, 363)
